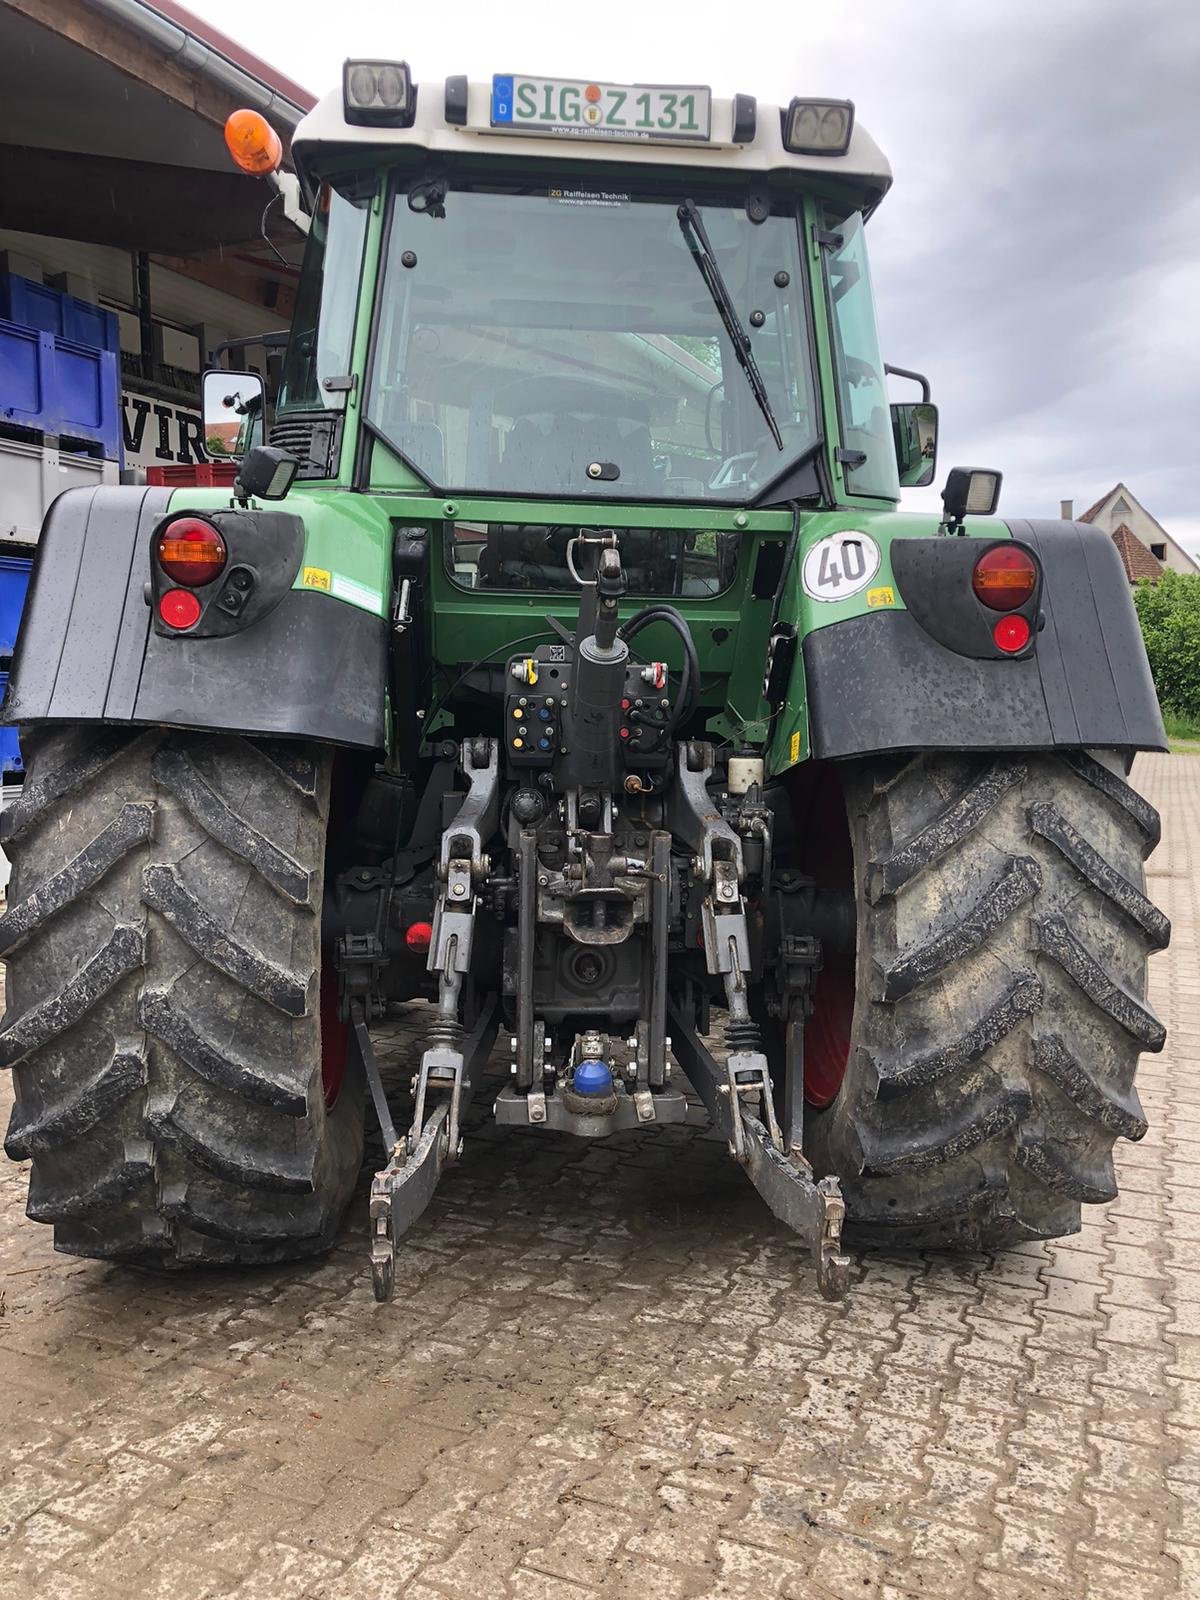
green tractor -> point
(562, 659)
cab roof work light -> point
(253, 143)
(818, 127)
(378, 94)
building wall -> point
(1122, 508)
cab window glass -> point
(327, 298)
(547, 340)
(699, 562)
(861, 382)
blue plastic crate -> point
(14, 581)
(10, 753)
(59, 387)
(35, 305)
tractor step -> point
(812, 1208)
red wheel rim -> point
(819, 805)
(335, 1038)
(827, 1032)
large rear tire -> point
(163, 949)
(1000, 1008)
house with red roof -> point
(1145, 547)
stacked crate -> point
(60, 428)
(60, 401)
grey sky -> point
(1039, 254)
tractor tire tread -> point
(1003, 938)
(162, 998)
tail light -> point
(418, 936)
(191, 551)
(1005, 577)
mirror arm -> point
(917, 377)
(287, 186)
(276, 340)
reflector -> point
(179, 608)
(1011, 634)
(253, 142)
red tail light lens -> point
(191, 551)
(179, 608)
(1011, 634)
(1005, 577)
(418, 936)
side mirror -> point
(232, 407)
(915, 430)
(970, 492)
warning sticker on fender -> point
(840, 565)
(357, 594)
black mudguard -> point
(312, 667)
(883, 681)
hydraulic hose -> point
(690, 681)
(789, 561)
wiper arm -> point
(692, 226)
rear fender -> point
(310, 666)
(907, 677)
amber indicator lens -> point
(1005, 577)
(191, 551)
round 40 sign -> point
(840, 565)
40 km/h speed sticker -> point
(840, 565)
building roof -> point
(285, 88)
(112, 126)
(1121, 488)
(1136, 559)
(1093, 511)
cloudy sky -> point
(1039, 254)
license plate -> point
(578, 109)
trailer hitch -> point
(813, 1208)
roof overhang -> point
(112, 137)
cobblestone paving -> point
(607, 1373)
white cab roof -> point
(863, 168)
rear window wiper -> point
(694, 232)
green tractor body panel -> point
(347, 555)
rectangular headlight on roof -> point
(378, 94)
(818, 127)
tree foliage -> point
(1169, 612)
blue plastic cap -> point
(593, 1078)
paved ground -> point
(607, 1373)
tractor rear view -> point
(562, 659)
